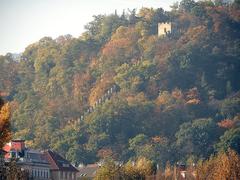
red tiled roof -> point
(57, 162)
(7, 148)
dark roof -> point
(57, 162)
(87, 171)
(35, 156)
(17, 140)
(3, 151)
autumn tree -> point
(5, 134)
(131, 170)
(109, 170)
(187, 5)
(197, 137)
(184, 84)
(225, 165)
(139, 169)
(230, 139)
(13, 172)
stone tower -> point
(164, 29)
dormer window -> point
(65, 165)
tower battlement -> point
(164, 28)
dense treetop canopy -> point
(120, 90)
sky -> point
(26, 21)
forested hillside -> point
(119, 90)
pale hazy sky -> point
(26, 21)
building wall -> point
(164, 28)
(85, 178)
(37, 172)
(55, 175)
(63, 175)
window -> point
(13, 154)
(65, 165)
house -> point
(87, 172)
(14, 149)
(36, 164)
(164, 29)
(60, 168)
(32, 161)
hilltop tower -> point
(164, 29)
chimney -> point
(18, 145)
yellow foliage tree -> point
(222, 166)
(131, 170)
(5, 134)
(138, 170)
(144, 166)
(109, 171)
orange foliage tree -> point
(102, 85)
(222, 166)
(226, 123)
(5, 133)
(122, 46)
